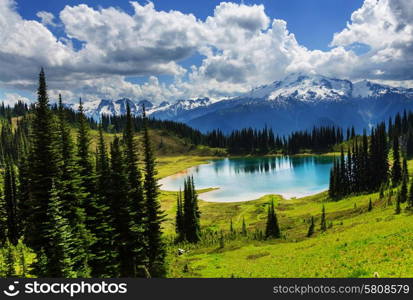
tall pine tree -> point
(86, 170)
(59, 249)
(156, 247)
(272, 229)
(120, 210)
(396, 169)
(179, 220)
(138, 242)
(72, 196)
(311, 227)
(323, 222)
(105, 260)
(191, 212)
(44, 170)
(10, 198)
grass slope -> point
(358, 243)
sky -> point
(168, 50)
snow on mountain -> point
(302, 101)
(362, 89)
(366, 89)
(95, 109)
(182, 105)
(179, 110)
(303, 87)
(297, 102)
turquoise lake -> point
(244, 179)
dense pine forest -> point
(81, 213)
(376, 162)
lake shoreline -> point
(266, 173)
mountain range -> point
(299, 101)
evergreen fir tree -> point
(221, 240)
(59, 252)
(323, 223)
(195, 206)
(138, 243)
(191, 213)
(72, 196)
(405, 170)
(179, 221)
(22, 261)
(396, 170)
(3, 220)
(381, 192)
(332, 186)
(120, 210)
(244, 227)
(10, 260)
(86, 170)
(10, 197)
(44, 170)
(156, 247)
(41, 265)
(343, 174)
(410, 199)
(105, 260)
(231, 227)
(370, 207)
(398, 208)
(311, 228)
(272, 229)
(24, 194)
(349, 171)
(403, 190)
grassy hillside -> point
(166, 144)
(358, 242)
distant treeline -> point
(265, 141)
(243, 141)
(238, 142)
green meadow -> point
(357, 243)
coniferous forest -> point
(375, 162)
(83, 213)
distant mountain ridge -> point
(300, 101)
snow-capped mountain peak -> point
(297, 102)
(95, 109)
(304, 87)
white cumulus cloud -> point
(10, 99)
(240, 47)
(46, 18)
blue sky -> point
(108, 49)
